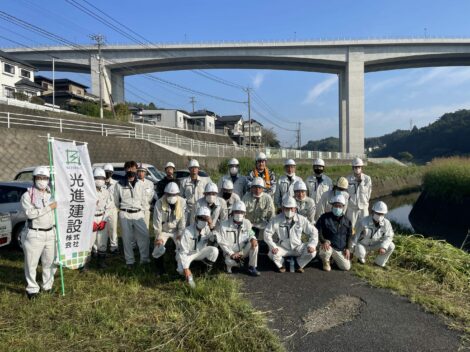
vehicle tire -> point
(15, 236)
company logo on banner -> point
(76, 202)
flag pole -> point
(52, 172)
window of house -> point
(79, 92)
(9, 92)
(25, 73)
(7, 68)
(159, 117)
(45, 85)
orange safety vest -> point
(267, 179)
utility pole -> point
(192, 101)
(299, 137)
(248, 91)
(53, 83)
(99, 39)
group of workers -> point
(290, 218)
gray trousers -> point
(134, 229)
(361, 251)
(247, 251)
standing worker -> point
(192, 187)
(40, 240)
(149, 191)
(240, 183)
(305, 205)
(227, 193)
(318, 183)
(169, 177)
(360, 189)
(261, 170)
(285, 184)
(111, 227)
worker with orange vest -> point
(262, 171)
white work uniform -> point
(218, 210)
(371, 237)
(194, 246)
(149, 193)
(359, 195)
(240, 184)
(39, 242)
(259, 211)
(324, 206)
(285, 186)
(111, 226)
(317, 186)
(306, 207)
(289, 239)
(103, 204)
(236, 238)
(169, 221)
(229, 202)
(192, 191)
(131, 201)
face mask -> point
(238, 217)
(337, 211)
(171, 199)
(200, 224)
(41, 184)
(318, 171)
(131, 174)
(99, 183)
(290, 175)
(226, 195)
(378, 218)
(233, 171)
(289, 214)
(256, 195)
(210, 199)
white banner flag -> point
(76, 201)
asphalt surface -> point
(386, 322)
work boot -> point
(253, 272)
(209, 265)
(32, 296)
(299, 270)
(282, 269)
(102, 260)
(160, 266)
(326, 265)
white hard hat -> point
(338, 199)
(300, 186)
(318, 162)
(108, 167)
(170, 164)
(203, 211)
(257, 182)
(239, 206)
(357, 162)
(380, 207)
(289, 162)
(233, 162)
(41, 171)
(342, 183)
(141, 167)
(172, 188)
(289, 202)
(227, 184)
(261, 156)
(211, 188)
(99, 172)
(193, 163)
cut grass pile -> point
(431, 273)
(117, 310)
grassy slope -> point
(120, 311)
(431, 273)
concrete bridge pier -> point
(351, 103)
(112, 82)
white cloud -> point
(448, 76)
(385, 83)
(319, 89)
(258, 79)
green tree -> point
(270, 138)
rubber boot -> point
(209, 264)
(102, 260)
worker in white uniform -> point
(227, 193)
(39, 242)
(240, 182)
(149, 191)
(169, 221)
(289, 227)
(324, 205)
(100, 222)
(194, 245)
(214, 203)
(285, 184)
(360, 189)
(261, 170)
(192, 187)
(111, 226)
(238, 241)
(131, 198)
(318, 183)
(305, 204)
(374, 233)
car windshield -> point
(24, 176)
(155, 173)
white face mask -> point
(238, 217)
(99, 183)
(171, 199)
(289, 214)
(41, 184)
(378, 218)
(210, 199)
(233, 170)
(290, 175)
(200, 224)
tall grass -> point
(448, 178)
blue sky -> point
(393, 98)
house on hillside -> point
(202, 120)
(17, 78)
(232, 125)
(162, 117)
(256, 133)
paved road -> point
(385, 322)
